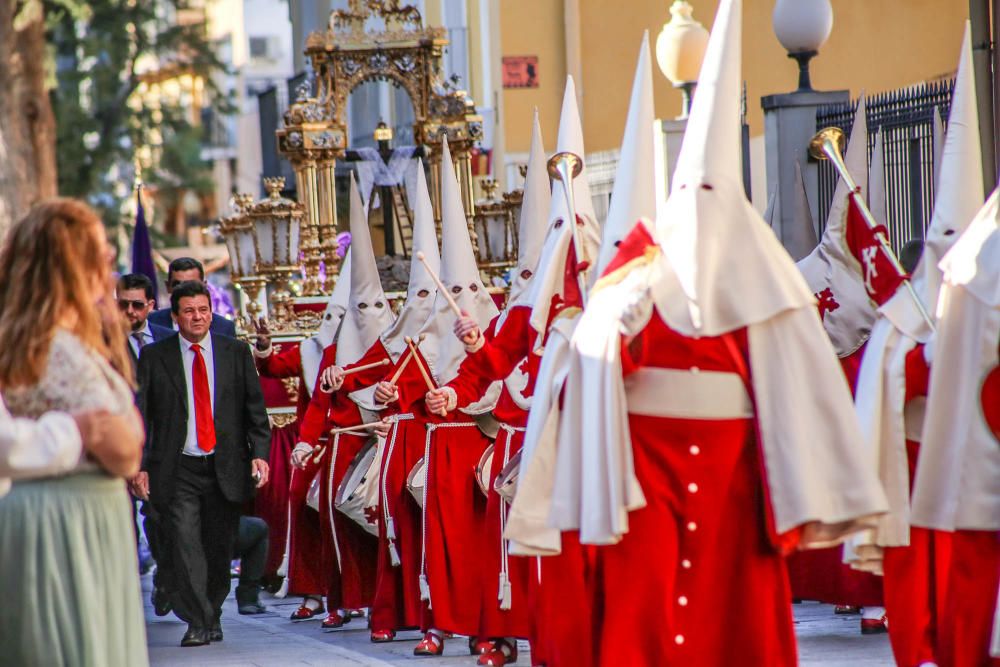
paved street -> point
(271, 639)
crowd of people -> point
(618, 463)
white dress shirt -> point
(30, 448)
(191, 447)
(147, 338)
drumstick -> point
(351, 429)
(358, 369)
(441, 287)
(406, 360)
(318, 449)
(423, 371)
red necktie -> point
(204, 424)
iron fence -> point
(906, 118)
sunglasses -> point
(125, 304)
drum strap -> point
(390, 523)
(329, 497)
(504, 591)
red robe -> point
(454, 524)
(701, 550)
(498, 358)
(351, 551)
(916, 576)
(295, 528)
(397, 603)
(821, 574)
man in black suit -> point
(135, 300)
(181, 270)
(207, 443)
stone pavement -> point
(272, 640)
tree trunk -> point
(27, 124)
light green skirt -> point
(69, 582)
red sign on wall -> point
(520, 71)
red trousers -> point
(699, 545)
(397, 589)
(515, 621)
(454, 528)
(970, 603)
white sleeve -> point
(29, 448)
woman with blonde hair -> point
(67, 552)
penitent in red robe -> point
(501, 354)
(706, 536)
(351, 559)
(397, 603)
(297, 532)
(916, 576)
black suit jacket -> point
(220, 325)
(159, 333)
(242, 430)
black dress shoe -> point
(161, 601)
(215, 634)
(195, 637)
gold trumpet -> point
(828, 144)
(565, 167)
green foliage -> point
(102, 51)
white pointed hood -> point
(937, 137)
(549, 278)
(421, 289)
(959, 197)
(533, 222)
(831, 271)
(634, 195)
(368, 312)
(311, 349)
(460, 275)
(724, 268)
(799, 236)
(876, 181)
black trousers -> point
(203, 527)
(251, 549)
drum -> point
(483, 469)
(357, 496)
(416, 479)
(506, 481)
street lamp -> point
(680, 48)
(802, 27)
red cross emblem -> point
(826, 302)
(371, 515)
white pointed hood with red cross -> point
(716, 269)
(960, 195)
(831, 271)
(548, 285)
(634, 195)
(443, 351)
(421, 290)
(531, 228)
(368, 312)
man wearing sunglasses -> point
(135, 301)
